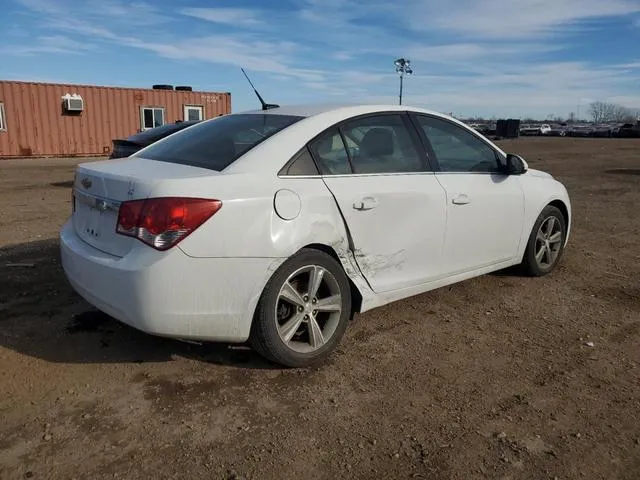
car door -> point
(393, 206)
(485, 206)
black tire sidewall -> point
(530, 263)
(264, 334)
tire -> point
(162, 87)
(277, 317)
(534, 264)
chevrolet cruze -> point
(276, 226)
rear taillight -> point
(163, 222)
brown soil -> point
(490, 378)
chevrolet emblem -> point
(86, 182)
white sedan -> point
(276, 226)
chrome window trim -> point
(395, 174)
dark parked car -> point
(580, 131)
(558, 130)
(130, 145)
(629, 130)
(603, 131)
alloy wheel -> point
(548, 242)
(308, 309)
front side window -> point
(216, 144)
(381, 144)
(458, 150)
(3, 119)
(152, 117)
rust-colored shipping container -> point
(45, 119)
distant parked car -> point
(580, 131)
(543, 129)
(485, 129)
(557, 131)
(602, 131)
(130, 145)
(629, 130)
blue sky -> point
(470, 57)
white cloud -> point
(342, 56)
(253, 55)
(519, 90)
(510, 18)
(229, 16)
(632, 65)
(345, 48)
(48, 44)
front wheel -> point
(546, 242)
(303, 311)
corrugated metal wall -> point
(36, 124)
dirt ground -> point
(491, 378)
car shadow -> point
(64, 184)
(41, 316)
(623, 171)
(513, 271)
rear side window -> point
(300, 165)
(328, 149)
(216, 144)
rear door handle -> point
(461, 199)
(367, 203)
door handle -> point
(461, 199)
(367, 203)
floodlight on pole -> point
(403, 67)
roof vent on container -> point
(73, 102)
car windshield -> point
(217, 143)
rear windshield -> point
(216, 144)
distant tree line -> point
(600, 112)
(603, 112)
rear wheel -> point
(303, 311)
(546, 242)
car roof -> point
(269, 156)
(311, 110)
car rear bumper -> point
(168, 293)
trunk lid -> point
(100, 187)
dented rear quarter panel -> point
(247, 225)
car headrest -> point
(325, 146)
(377, 141)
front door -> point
(485, 207)
(193, 112)
(391, 201)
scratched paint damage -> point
(370, 264)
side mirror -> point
(516, 164)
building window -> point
(151, 117)
(3, 119)
(193, 113)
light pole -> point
(403, 67)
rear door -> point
(391, 201)
(485, 207)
